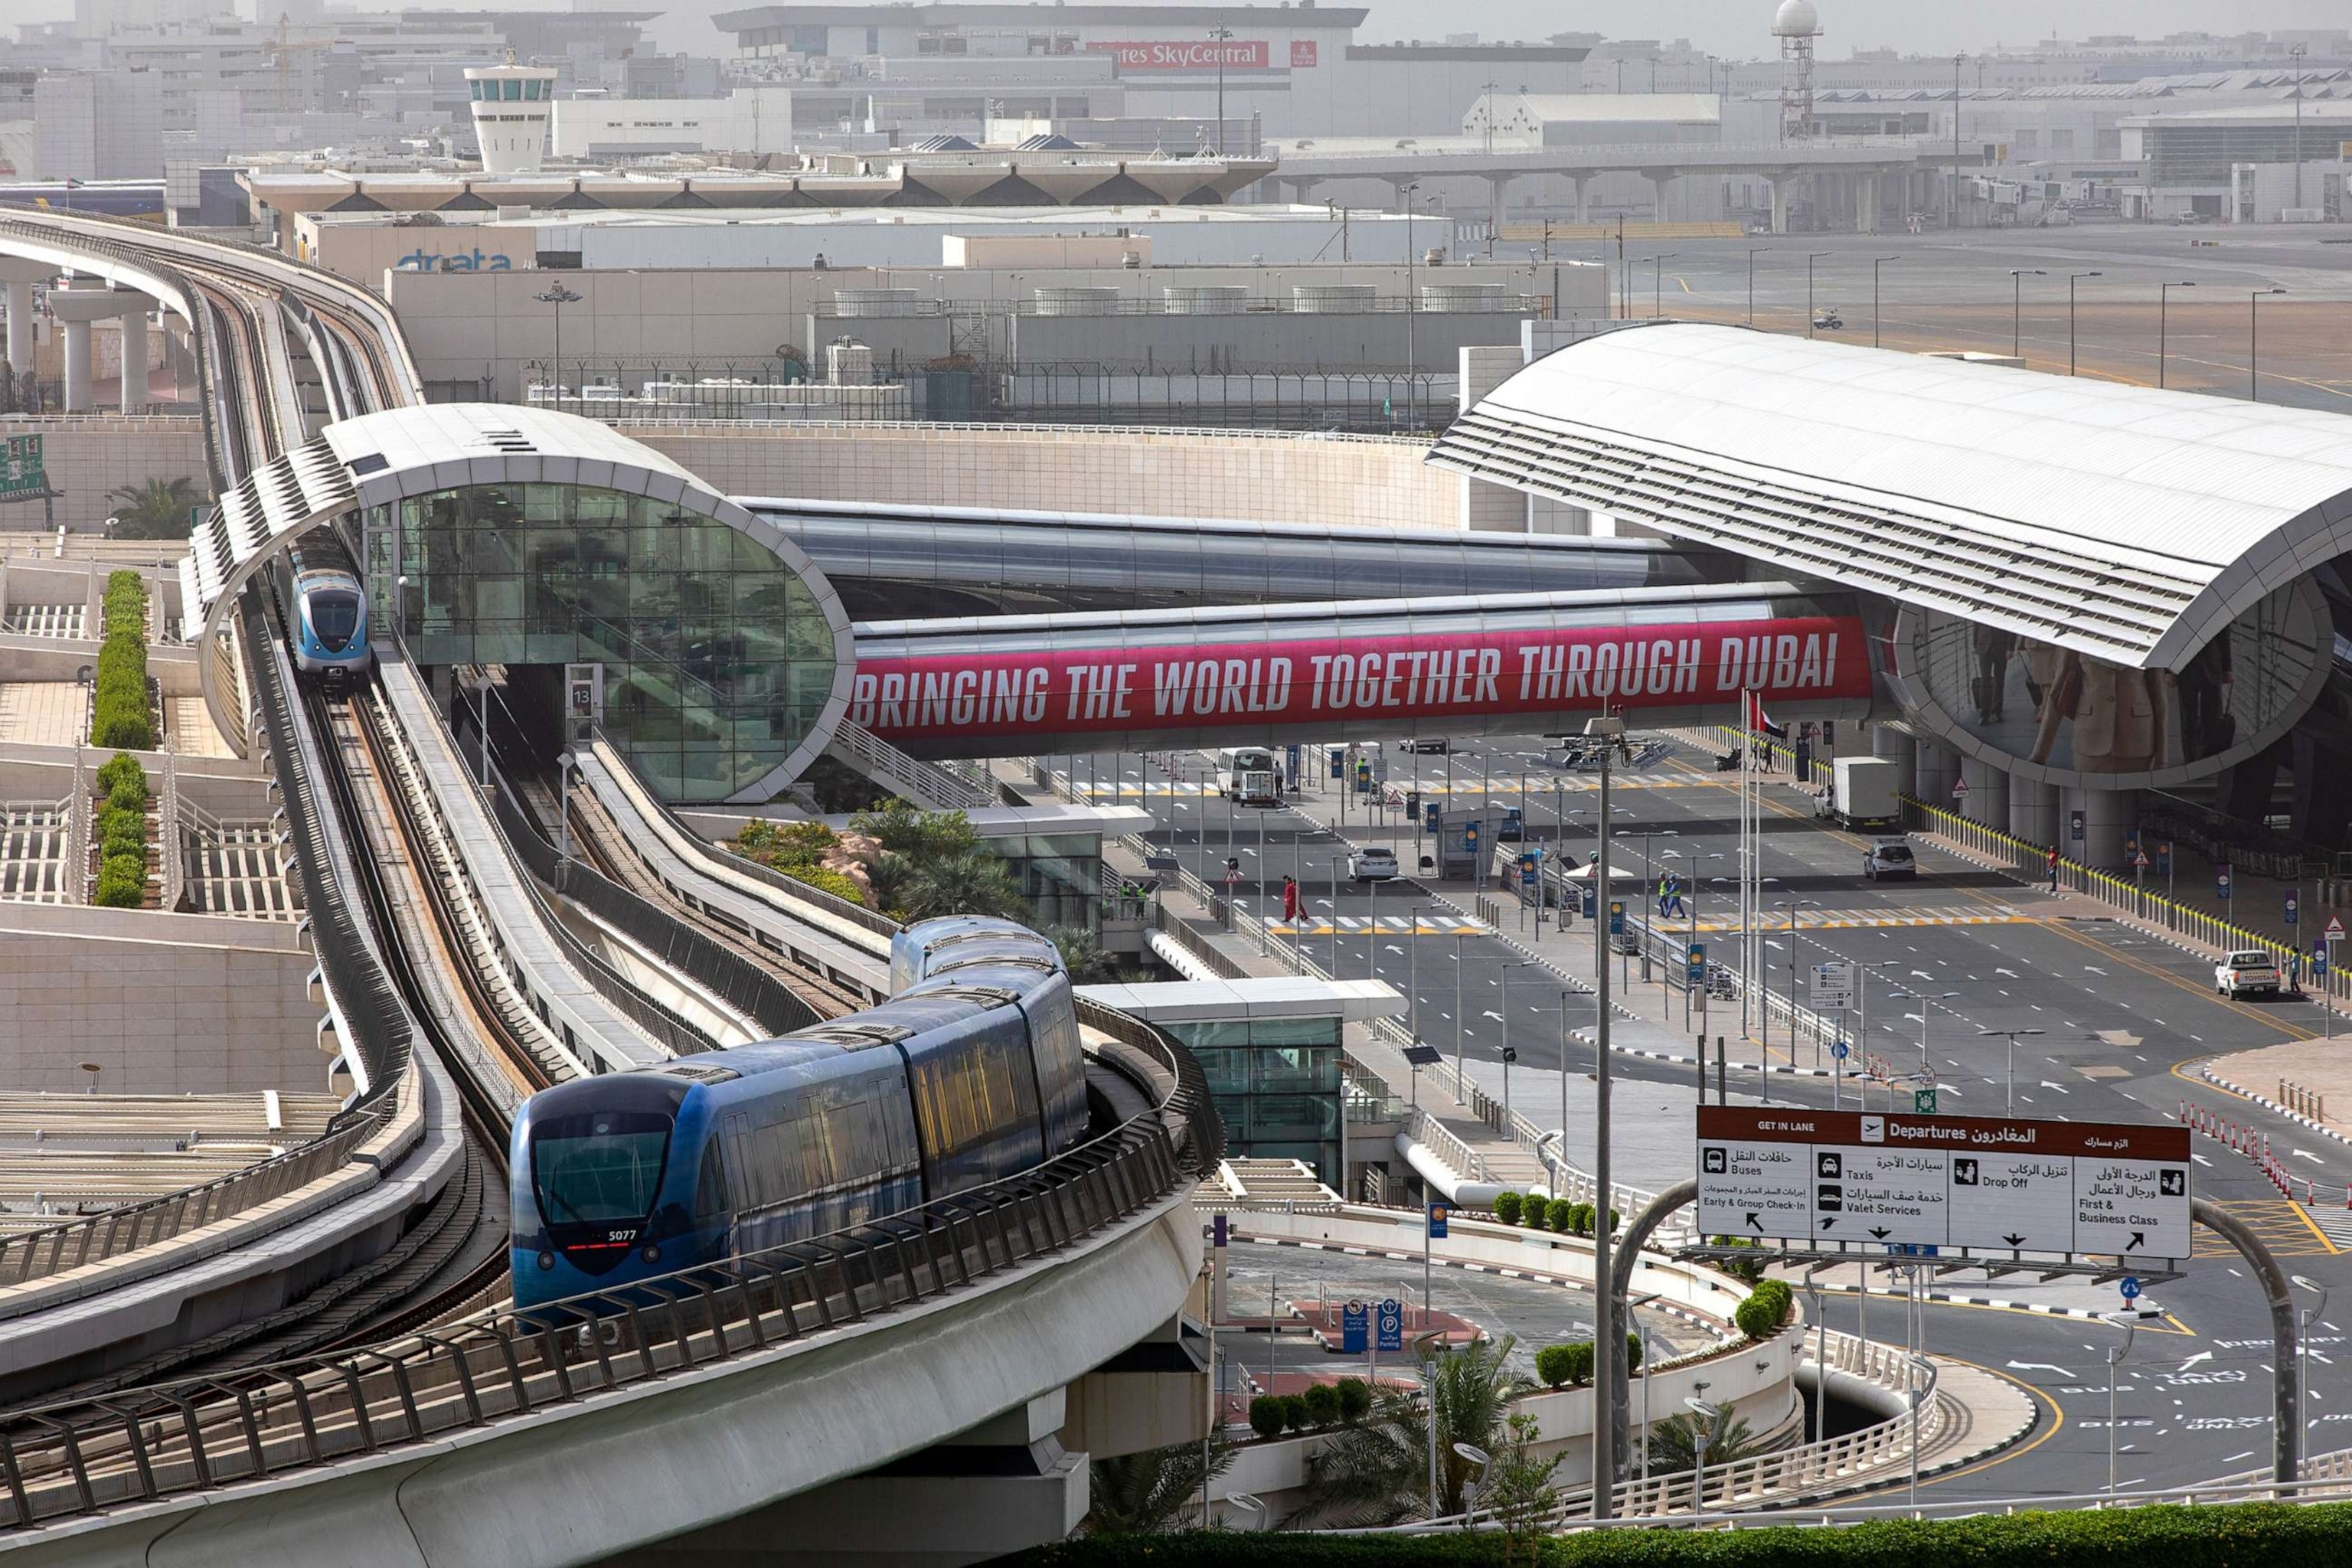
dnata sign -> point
(422, 260)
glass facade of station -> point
(1275, 1082)
(717, 659)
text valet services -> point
(1824, 1177)
(1402, 677)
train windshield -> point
(334, 617)
(602, 1167)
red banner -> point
(1302, 53)
(1313, 683)
(1186, 54)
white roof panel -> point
(2087, 512)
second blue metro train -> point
(970, 1073)
(330, 610)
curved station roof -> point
(2121, 521)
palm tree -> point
(973, 883)
(1377, 1471)
(155, 509)
(1146, 1493)
(1674, 1445)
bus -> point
(1247, 774)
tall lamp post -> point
(2115, 1359)
(1812, 257)
(2010, 1102)
(1657, 270)
(559, 297)
(2253, 335)
(1752, 254)
(1218, 35)
(2302, 1360)
(1926, 1000)
(1405, 193)
(2163, 322)
(1876, 263)
(2017, 277)
(1609, 1344)
(1953, 199)
(2296, 53)
(2071, 279)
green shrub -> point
(825, 881)
(1266, 1415)
(122, 881)
(1777, 1292)
(119, 714)
(1555, 1366)
(1633, 1353)
(1322, 1404)
(1557, 1213)
(1615, 1220)
(129, 795)
(1355, 1399)
(1506, 1208)
(1755, 1318)
(1294, 1413)
(1747, 1269)
(1583, 1219)
(123, 767)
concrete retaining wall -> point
(163, 1004)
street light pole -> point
(1875, 262)
(1752, 254)
(2302, 1361)
(1953, 198)
(2163, 320)
(2009, 1103)
(2254, 334)
(1218, 35)
(2071, 277)
(1609, 1346)
(2017, 277)
(1810, 257)
(559, 296)
(2296, 53)
(2115, 1359)
(1657, 265)
(1412, 358)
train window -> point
(334, 617)
(599, 1166)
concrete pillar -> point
(1988, 798)
(2032, 810)
(1934, 768)
(1488, 507)
(1584, 197)
(135, 360)
(2107, 815)
(1865, 203)
(1779, 190)
(20, 325)
(1661, 180)
(78, 399)
(1899, 748)
(1497, 186)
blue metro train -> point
(970, 1073)
(331, 609)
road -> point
(2124, 1017)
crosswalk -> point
(1500, 792)
(1892, 915)
(1385, 925)
(2334, 1223)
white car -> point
(1889, 858)
(1373, 865)
(2253, 971)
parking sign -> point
(1390, 1323)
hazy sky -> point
(1738, 28)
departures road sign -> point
(1820, 1178)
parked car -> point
(1374, 864)
(1889, 858)
(2251, 973)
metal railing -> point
(55, 1249)
(1834, 1464)
(927, 784)
(178, 1438)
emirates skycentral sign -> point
(1186, 54)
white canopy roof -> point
(2123, 522)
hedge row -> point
(2205, 1537)
(119, 827)
(1538, 1212)
(1571, 1365)
(1323, 1404)
(120, 717)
